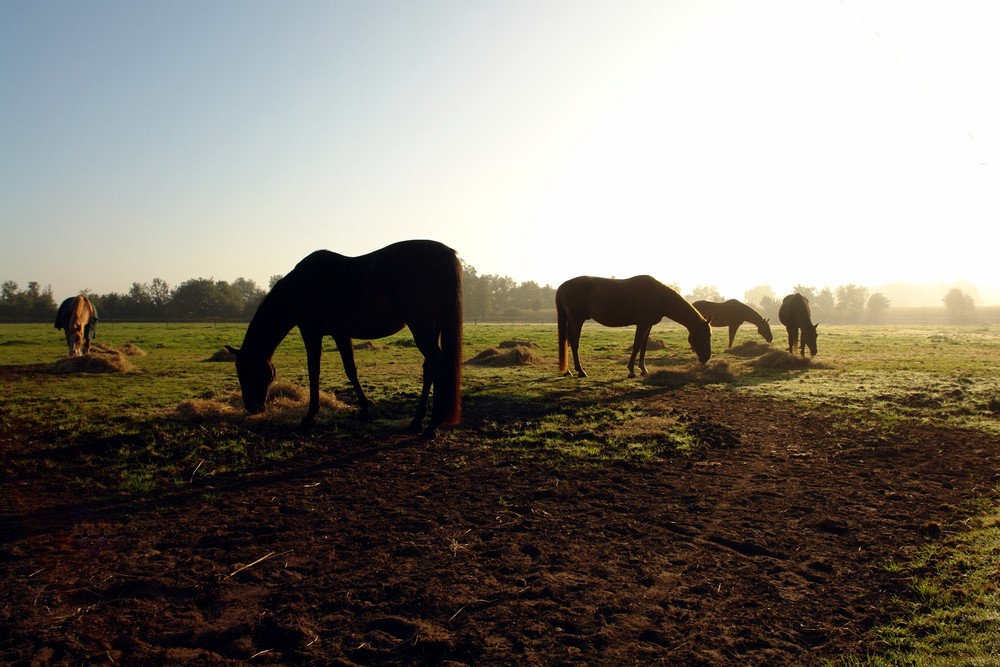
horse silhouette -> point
(78, 317)
(640, 300)
(416, 284)
(796, 316)
(732, 314)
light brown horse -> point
(640, 300)
(78, 317)
(732, 314)
(794, 313)
(415, 284)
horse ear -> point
(233, 351)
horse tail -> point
(562, 323)
(449, 392)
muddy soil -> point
(767, 547)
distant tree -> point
(273, 279)
(768, 308)
(755, 296)
(250, 296)
(705, 293)
(824, 300)
(878, 303)
(476, 297)
(960, 305)
(8, 292)
(807, 292)
(159, 290)
(140, 301)
(195, 299)
(851, 300)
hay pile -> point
(222, 354)
(782, 360)
(518, 342)
(132, 350)
(102, 359)
(286, 403)
(518, 355)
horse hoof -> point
(429, 433)
(414, 426)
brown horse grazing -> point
(795, 315)
(417, 284)
(78, 317)
(732, 314)
(640, 300)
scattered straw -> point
(367, 345)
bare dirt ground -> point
(768, 547)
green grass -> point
(124, 435)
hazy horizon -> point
(704, 142)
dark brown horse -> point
(732, 314)
(78, 317)
(795, 315)
(417, 284)
(640, 300)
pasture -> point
(759, 509)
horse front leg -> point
(347, 356)
(733, 328)
(793, 339)
(314, 352)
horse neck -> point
(752, 316)
(681, 311)
(268, 327)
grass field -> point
(154, 426)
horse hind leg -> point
(575, 328)
(639, 347)
(418, 417)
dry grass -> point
(518, 355)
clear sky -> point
(731, 143)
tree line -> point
(486, 297)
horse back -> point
(794, 311)
(610, 301)
(377, 294)
(725, 313)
